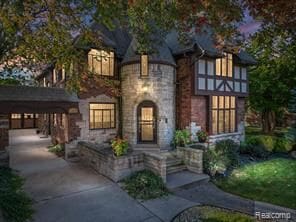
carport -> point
(35, 100)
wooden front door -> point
(147, 123)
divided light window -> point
(101, 115)
(144, 66)
(224, 65)
(101, 62)
(223, 114)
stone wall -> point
(155, 163)
(101, 158)
(159, 88)
(236, 137)
(95, 135)
(192, 158)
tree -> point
(274, 77)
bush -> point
(145, 185)
(256, 151)
(182, 137)
(58, 149)
(270, 143)
(119, 146)
(291, 136)
(15, 204)
(221, 158)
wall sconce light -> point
(145, 87)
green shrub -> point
(57, 149)
(119, 146)
(291, 136)
(270, 143)
(16, 206)
(257, 151)
(145, 185)
(182, 137)
(221, 158)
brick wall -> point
(199, 111)
(183, 92)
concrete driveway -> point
(64, 191)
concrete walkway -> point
(64, 191)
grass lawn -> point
(211, 214)
(272, 181)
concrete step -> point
(185, 180)
(173, 162)
(175, 168)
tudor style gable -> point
(220, 75)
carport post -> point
(4, 127)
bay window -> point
(223, 109)
(101, 62)
(101, 115)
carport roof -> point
(36, 99)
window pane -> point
(221, 121)
(229, 65)
(244, 87)
(106, 119)
(226, 121)
(201, 83)
(232, 101)
(101, 62)
(214, 121)
(236, 72)
(210, 68)
(232, 119)
(244, 73)
(221, 102)
(102, 115)
(224, 66)
(237, 87)
(215, 102)
(227, 102)
(144, 65)
(202, 66)
(210, 84)
(218, 67)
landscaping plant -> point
(145, 185)
(182, 138)
(222, 157)
(119, 146)
(57, 149)
(202, 136)
(16, 206)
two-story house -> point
(192, 85)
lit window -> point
(224, 65)
(144, 65)
(101, 62)
(16, 116)
(101, 115)
(223, 114)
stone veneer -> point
(95, 135)
(160, 87)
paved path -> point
(65, 192)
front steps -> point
(174, 165)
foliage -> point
(202, 136)
(182, 137)
(275, 52)
(58, 149)
(254, 150)
(220, 158)
(9, 81)
(145, 185)
(291, 135)
(119, 146)
(269, 143)
(272, 181)
(15, 204)
(211, 214)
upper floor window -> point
(144, 66)
(101, 62)
(59, 74)
(224, 65)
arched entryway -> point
(147, 122)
